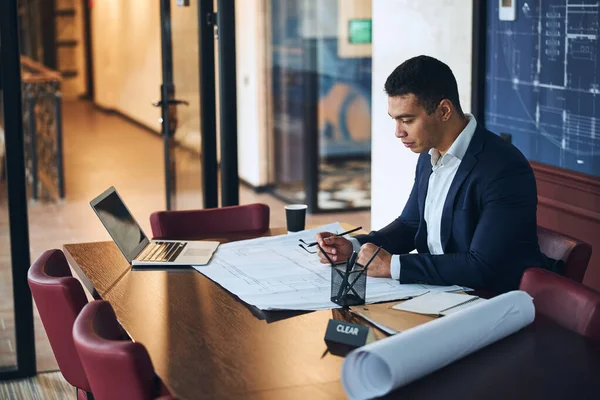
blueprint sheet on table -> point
(275, 273)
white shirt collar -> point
(461, 143)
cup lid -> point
(296, 206)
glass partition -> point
(188, 173)
(321, 102)
(289, 73)
(344, 81)
(8, 355)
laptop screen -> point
(119, 223)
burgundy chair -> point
(116, 369)
(59, 298)
(568, 303)
(575, 253)
(250, 219)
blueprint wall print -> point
(542, 81)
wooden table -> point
(207, 344)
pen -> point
(351, 260)
(326, 256)
(339, 234)
(372, 257)
(364, 269)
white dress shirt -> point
(443, 171)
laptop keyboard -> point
(162, 251)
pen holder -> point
(348, 289)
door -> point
(17, 344)
(180, 104)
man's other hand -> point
(337, 248)
(381, 264)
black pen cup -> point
(348, 289)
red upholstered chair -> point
(117, 369)
(575, 253)
(59, 298)
(250, 219)
(568, 303)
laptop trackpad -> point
(190, 252)
(197, 253)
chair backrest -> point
(575, 253)
(194, 224)
(568, 303)
(59, 298)
(116, 369)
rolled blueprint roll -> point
(380, 367)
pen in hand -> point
(337, 234)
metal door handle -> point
(171, 102)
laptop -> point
(134, 244)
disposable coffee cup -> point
(295, 215)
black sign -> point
(342, 337)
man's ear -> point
(445, 109)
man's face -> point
(418, 131)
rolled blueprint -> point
(380, 367)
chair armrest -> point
(564, 301)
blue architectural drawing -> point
(543, 81)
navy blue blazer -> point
(489, 226)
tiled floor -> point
(46, 386)
(101, 150)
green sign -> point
(359, 31)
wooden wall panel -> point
(569, 202)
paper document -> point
(438, 303)
(378, 368)
(274, 273)
(381, 326)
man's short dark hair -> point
(429, 79)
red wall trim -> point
(566, 178)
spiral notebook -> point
(438, 303)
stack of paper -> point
(275, 273)
(438, 303)
(377, 368)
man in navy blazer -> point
(471, 214)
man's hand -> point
(337, 248)
(380, 267)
